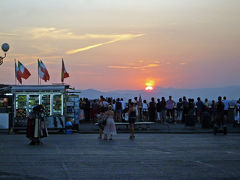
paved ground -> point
(149, 156)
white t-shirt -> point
(114, 107)
(145, 106)
(123, 104)
(104, 104)
(226, 104)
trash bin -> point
(68, 127)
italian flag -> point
(42, 71)
(23, 70)
(18, 74)
(64, 73)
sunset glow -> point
(149, 85)
(117, 45)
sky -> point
(123, 44)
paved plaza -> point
(149, 156)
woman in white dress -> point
(110, 128)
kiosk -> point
(25, 97)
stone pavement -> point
(149, 156)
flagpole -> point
(15, 73)
(38, 70)
(62, 79)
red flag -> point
(64, 73)
(18, 74)
(42, 71)
(23, 70)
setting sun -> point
(149, 85)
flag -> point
(42, 71)
(64, 73)
(18, 74)
(23, 70)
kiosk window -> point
(46, 103)
(33, 101)
(21, 105)
(57, 104)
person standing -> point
(123, 108)
(118, 110)
(199, 105)
(132, 118)
(87, 109)
(219, 112)
(94, 110)
(158, 107)
(237, 110)
(163, 110)
(145, 110)
(152, 110)
(213, 111)
(36, 125)
(140, 106)
(226, 107)
(110, 128)
(101, 122)
(170, 104)
(185, 109)
(179, 110)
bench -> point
(137, 124)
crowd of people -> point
(159, 110)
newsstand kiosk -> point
(25, 97)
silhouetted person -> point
(170, 109)
(87, 110)
(152, 110)
(199, 105)
(158, 107)
(220, 112)
(185, 109)
(163, 110)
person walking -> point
(110, 128)
(101, 121)
(132, 118)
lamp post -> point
(5, 48)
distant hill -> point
(231, 92)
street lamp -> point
(5, 48)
